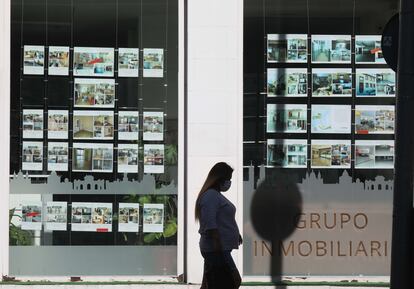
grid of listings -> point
(35, 214)
(319, 102)
(105, 137)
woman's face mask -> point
(225, 186)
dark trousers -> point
(220, 271)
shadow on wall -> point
(275, 206)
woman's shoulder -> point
(210, 195)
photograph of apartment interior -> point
(374, 154)
(92, 217)
(154, 158)
(33, 60)
(153, 218)
(128, 158)
(58, 60)
(57, 156)
(332, 82)
(128, 214)
(32, 213)
(94, 92)
(32, 123)
(34, 56)
(128, 123)
(90, 61)
(128, 62)
(331, 48)
(92, 157)
(287, 48)
(97, 125)
(286, 153)
(82, 159)
(56, 216)
(32, 156)
(374, 119)
(81, 213)
(331, 154)
(128, 220)
(153, 155)
(103, 127)
(102, 159)
(57, 121)
(153, 125)
(153, 62)
(102, 215)
(82, 126)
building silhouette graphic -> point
(22, 184)
(313, 188)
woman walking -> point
(219, 233)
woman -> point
(219, 233)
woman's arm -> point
(215, 236)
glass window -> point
(318, 138)
(94, 137)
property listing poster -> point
(375, 83)
(374, 154)
(57, 124)
(58, 60)
(93, 61)
(153, 126)
(94, 93)
(92, 157)
(128, 62)
(368, 49)
(128, 125)
(331, 119)
(153, 216)
(289, 118)
(31, 216)
(92, 217)
(88, 124)
(154, 158)
(331, 49)
(128, 217)
(33, 59)
(153, 62)
(32, 123)
(16, 204)
(32, 156)
(127, 158)
(57, 156)
(287, 82)
(374, 119)
(335, 82)
(291, 48)
(56, 216)
(287, 153)
(335, 154)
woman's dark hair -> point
(219, 173)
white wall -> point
(215, 94)
(4, 132)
